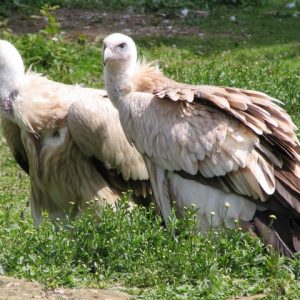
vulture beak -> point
(107, 55)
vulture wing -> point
(274, 153)
(12, 134)
(96, 129)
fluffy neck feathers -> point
(148, 77)
(140, 77)
(42, 104)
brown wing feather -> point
(258, 112)
(279, 232)
(12, 134)
(257, 108)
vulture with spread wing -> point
(231, 152)
(68, 139)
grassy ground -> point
(260, 50)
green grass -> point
(96, 251)
(130, 248)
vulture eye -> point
(122, 46)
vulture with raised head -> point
(231, 152)
(68, 139)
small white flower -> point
(212, 213)
(227, 204)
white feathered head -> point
(119, 49)
(11, 75)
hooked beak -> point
(107, 55)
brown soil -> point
(97, 24)
(17, 289)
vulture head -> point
(119, 50)
(120, 61)
(11, 76)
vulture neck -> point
(9, 82)
(11, 75)
(118, 80)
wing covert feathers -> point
(96, 130)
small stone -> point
(291, 5)
(184, 12)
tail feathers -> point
(296, 237)
(22, 161)
(282, 232)
(288, 191)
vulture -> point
(68, 139)
(230, 154)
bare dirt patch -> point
(97, 23)
(18, 289)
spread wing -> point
(95, 127)
(238, 140)
(12, 134)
